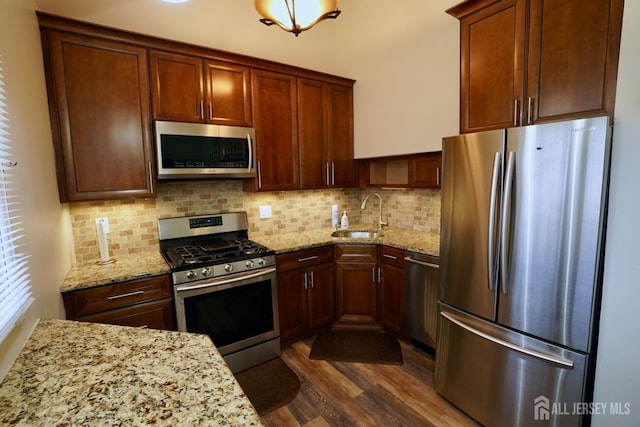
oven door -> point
(237, 311)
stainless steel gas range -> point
(224, 285)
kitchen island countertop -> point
(402, 238)
(77, 373)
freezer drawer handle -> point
(558, 361)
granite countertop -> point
(77, 373)
(410, 240)
(135, 266)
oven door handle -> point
(222, 281)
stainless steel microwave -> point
(195, 150)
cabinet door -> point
(391, 310)
(356, 292)
(100, 115)
(177, 87)
(573, 57)
(312, 119)
(321, 295)
(228, 94)
(424, 171)
(340, 139)
(275, 120)
(492, 46)
(292, 303)
(155, 315)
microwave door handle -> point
(250, 146)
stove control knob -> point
(261, 262)
(249, 263)
(228, 268)
(206, 271)
(191, 274)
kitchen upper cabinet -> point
(191, 89)
(528, 61)
(421, 170)
(100, 117)
(425, 170)
(306, 295)
(276, 121)
(325, 118)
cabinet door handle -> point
(210, 111)
(373, 274)
(530, 111)
(201, 110)
(438, 177)
(390, 256)
(312, 281)
(379, 275)
(309, 258)
(327, 174)
(333, 173)
(150, 177)
(306, 286)
(259, 176)
(515, 113)
(130, 294)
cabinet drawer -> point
(392, 256)
(154, 315)
(304, 258)
(109, 297)
(356, 253)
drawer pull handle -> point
(309, 258)
(390, 256)
(130, 294)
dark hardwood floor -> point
(358, 394)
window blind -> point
(15, 291)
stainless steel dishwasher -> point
(421, 298)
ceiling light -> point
(296, 16)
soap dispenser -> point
(344, 222)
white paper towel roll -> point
(102, 241)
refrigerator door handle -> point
(505, 219)
(491, 244)
(547, 357)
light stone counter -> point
(135, 266)
(402, 238)
(77, 373)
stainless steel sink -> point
(358, 234)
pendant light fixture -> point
(296, 16)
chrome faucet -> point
(364, 203)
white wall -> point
(618, 363)
(45, 223)
(404, 56)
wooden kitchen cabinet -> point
(191, 89)
(420, 170)
(98, 94)
(276, 121)
(306, 296)
(391, 288)
(143, 303)
(325, 117)
(356, 282)
(528, 61)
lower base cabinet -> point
(391, 292)
(306, 297)
(356, 282)
(141, 303)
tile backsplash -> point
(133, 223)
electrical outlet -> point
(265, 212)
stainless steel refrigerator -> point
(521, 253)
